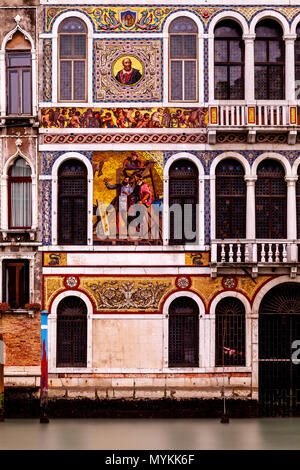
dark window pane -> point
(275, 51)
(236, 83)
(80, 46)
(13, 92)
(260, 51)
(297, 50)
(176, 81)
(26, 92)
(176, 46)
(190, 81)
(221, 88)
(65, 45)
(16, 283)
(228, 29)
(276, 83)
(261, 83)
(235, 51)
(189, 47)
(221, 51)
(79, 80)
(19, 60)
(65, 80)
(268, 29)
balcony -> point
(253, 119)
(255, 254)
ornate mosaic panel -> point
(110, 66)
(47, 70)
(120, 19)
(46, 214)
(122, 118)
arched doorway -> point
(71, 332)
(279, 329)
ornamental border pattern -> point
(154, 17)
(49, 159)
(47, 70)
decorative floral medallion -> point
(183, 282)
(229, 282)
(71, 282)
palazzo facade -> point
(189, 113)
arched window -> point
(19, 80)
(71, 333)
(72, 203)
(271, 202)
(269, 54)
(183, 333)
(230, 200)
(19, 194)
(230, 333)
(229, 61)
(297, 62)
(72, 60)
(183, 196)
(183, 60)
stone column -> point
(292, 216)
(251, 249)
(290, 67)
(249, 67)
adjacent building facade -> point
(165, 196)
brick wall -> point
(22, 338)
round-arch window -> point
(183, 200)
(269, 54)
(72, 203)
(230, 200)
(71, 333)
(230, 333)
(19, 194)
(271, 200)
(183, 333)
(72, 60)
(229, 61)
(183, 60)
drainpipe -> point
(44, 368)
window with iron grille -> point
(230, 333)
(271, 200)
(230, 200)
(183, 60)
(72, 60)
(15, 282)
(71, 333)
(183, 333)
(72, 203)
(19, 194)
(19, 82)
(269, 53)
(183, 192)
(229, 61)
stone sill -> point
(22, 311)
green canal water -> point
(156, 434)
